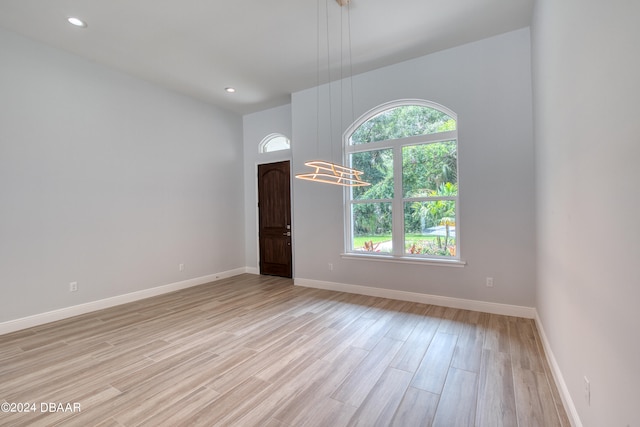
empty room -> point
(319, 213)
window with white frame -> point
(274, 142)
(408, 151)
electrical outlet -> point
(330, 267)
(489, 282)
(73, 287)
(587, 391)
(180, 267)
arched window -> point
(274, 142)
(408, 151)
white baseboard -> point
(64, 313)
(252, 270)
(567, 401)
(464, 304)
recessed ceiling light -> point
(229, 89)
(77, 22)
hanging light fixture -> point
(331, 173)
(325, 171)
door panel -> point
(274, 212)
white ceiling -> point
(266, 49)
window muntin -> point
(408, 151)
(274, 142)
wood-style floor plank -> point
(555, 394)
(524, 351)
(418, 408)
(295, 411)
(496, 398)
(363, 378)
(415, 346)
(432, 372)
(257, 351)
(534, 402)
(457, 405)
(497, 334)
(468, 352)
(381, 403)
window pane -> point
(276, 143)
(402, 122)
(430, 228)
(377, 166)
(371, 227)
(430, 170)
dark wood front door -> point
(274, 212)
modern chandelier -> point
(331, 173)
(325, 171)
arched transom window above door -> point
(274, 142)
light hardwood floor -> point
(257, 351)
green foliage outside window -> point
(402, 122)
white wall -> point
(256, 127)
(586, 93)
(488, 84)
(108, 181)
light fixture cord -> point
(318, 80)
(329, 83)
(341, 72)
(353, 118)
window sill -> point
(406, 260)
